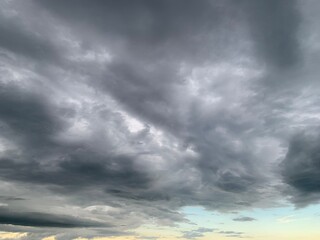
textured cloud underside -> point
(117, 113)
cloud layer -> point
(118, 113)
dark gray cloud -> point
(151, 24)
(148, 25)
(274, 27)
(126, 111)
(35, 219)
(20, 40)
(27, 116)
(74, 173)
(301, 166)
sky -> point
(159, 119)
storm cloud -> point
(124, 112)
(301, 167)
(34, 219)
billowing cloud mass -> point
(118, 113)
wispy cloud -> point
(244, 219)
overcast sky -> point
(140, 119)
